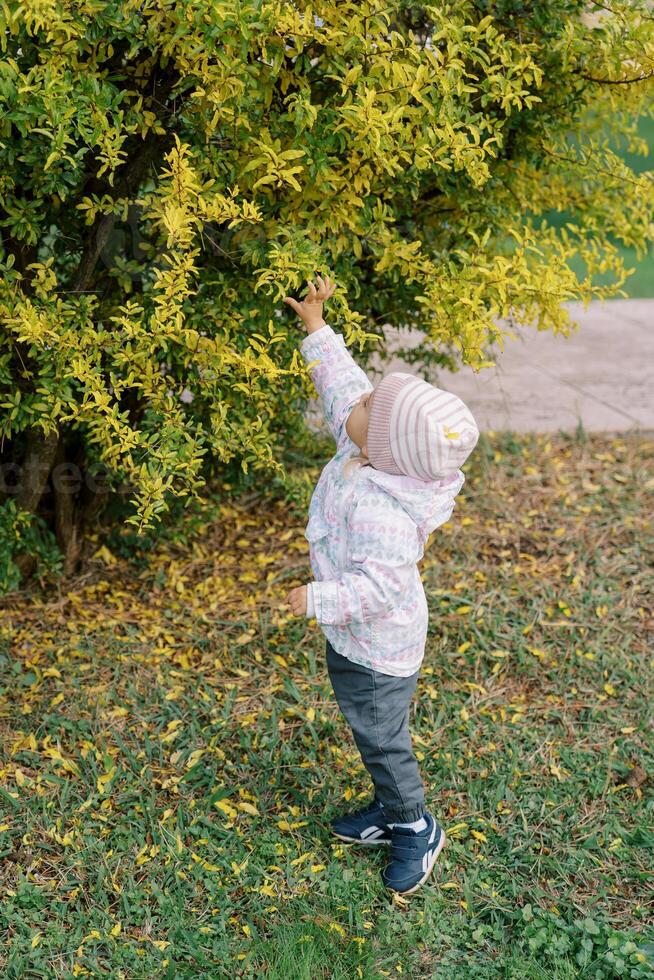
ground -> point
(171, 754)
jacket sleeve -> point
(383, 549)
(338, 378)
(311, 612)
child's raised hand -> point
(310, 308)
(297, 599)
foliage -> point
(597, 950)
(24, 534)
(169, 171)
(171, 754)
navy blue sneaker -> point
(413, 856)
(367, 826)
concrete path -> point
(602, 374)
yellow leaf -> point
(36, 940)
(248, 808)
(116, 930)
(226, 808)
(105, 779)
(51, 159)
(103, 554)
(172, 731)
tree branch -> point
(152, 148)
(615, 81)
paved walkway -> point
(602, 374)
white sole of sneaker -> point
(358, 840)
(441, 845)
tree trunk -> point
(66, 510)
(39, 458)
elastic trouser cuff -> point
(407, 814)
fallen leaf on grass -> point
(637, 776)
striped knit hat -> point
(417, 429)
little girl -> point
(369, 519)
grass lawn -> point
(171, 754)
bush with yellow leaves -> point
(168, 172)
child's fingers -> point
(327, 288)
(292, 302)
(295, 599)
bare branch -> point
(616, 81)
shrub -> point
(168, 172)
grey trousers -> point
(376, 707)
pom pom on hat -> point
(417, 429)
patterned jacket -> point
(366, 532)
